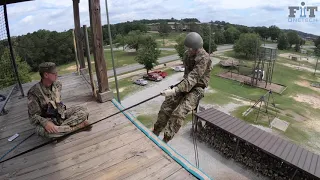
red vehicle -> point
(161, 73)
(153, 77)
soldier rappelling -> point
(184, 97)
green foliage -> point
(134, 39)
(148, 53)
(263, 32)
(206, 42)
(7, 77)
(247, 44)
(317, 51)
(283, 41)
(297, 47)
(231, 34)
(219, 38)
(164, 30)
(43, 46)
(293, 38)
(180, 45)
(120, 41)
(274, 32)
(317, 42)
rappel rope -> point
(194, 139)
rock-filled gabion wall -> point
(248, 155)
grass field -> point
(121, 58)
(169, 41)
(287, 107)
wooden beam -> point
(98, 52)
(78, 34)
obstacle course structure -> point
(266, 58)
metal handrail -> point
(6, 100)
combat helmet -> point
(193, 40)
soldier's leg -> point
(167, 107)
(42, 132)
(75, 115)
(187, 104)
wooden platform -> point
(285, 150)
(277, 88)
(113, 149)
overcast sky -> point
(58, 14)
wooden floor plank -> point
(77, 141)
(92, 161)
(180, 175)
(164, 172)
(131, 165)
(154, 168)
(63, 167)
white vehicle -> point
(178, 69)
(141, 82)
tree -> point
(297, 47)
(180, 45)
(283, 41)
(134, 39)
(219, 38)
(317, 41)
(231, 34)
(317, 51)
(293, 38)
(164, 30)
(7, 77)
(195, 27)
(274, 32)
(148, 54)
(206, 42)
(120, 41)
(247, 44)
(263, 32)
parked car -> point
(178, 68)
(141, 82)
(153, 77)
(161, 73)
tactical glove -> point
(170, 92)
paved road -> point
(133, 67)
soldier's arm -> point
(185, 58)
(34, 111)
(195, 75)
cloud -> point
(58, 15)
(28, 19)
(272, 8)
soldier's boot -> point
(156, 132)
(166, 139)
(85, 125)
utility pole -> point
(112, 57)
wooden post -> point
(89, 61)
(101, 68)
(75, 51)
(78, 36)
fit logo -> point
(307, 13)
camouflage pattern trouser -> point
(74, 116)
(174, 110)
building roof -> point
(2, 2)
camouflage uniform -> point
(44, 105)
(174, 109)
